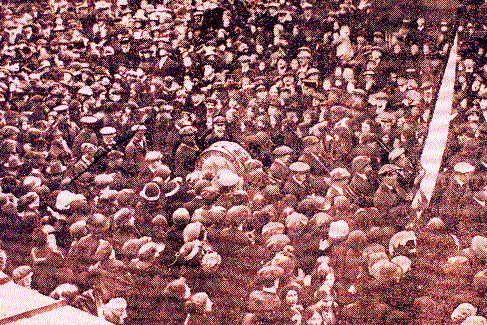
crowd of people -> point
(107, 106)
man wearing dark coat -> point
(298, 184)
(186, 154)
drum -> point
(223, 155)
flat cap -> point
(282, 151)
(108, 130)
(299, 167)
(310, 140)
(339, 174)
(88, 119)
(463, 167)
(395, 153)
(187, 130)
(359, 162)
(220, 120)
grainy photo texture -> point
(227, 162)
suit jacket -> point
(387, 197)
(184, 159)
(316, 163)
(279, 171)
(167, 67)
(301, 191)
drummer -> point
(219, 132)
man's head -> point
(115, 310)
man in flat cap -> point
(304, 60)
(453, 190)
(219, 132)
(298, 184)
(81, 253)
(279, 169)
(136, 148)
(108, 142)
(390, 193)
(363, 182)
(187, 152)
(313, 155)
(86, 135)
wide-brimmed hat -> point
(151, 192)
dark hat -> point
(220, 120)
(283, 89)
(299, 167)
(376, 48)
(289, 73)
(177, 289)
(310, 140)
(464, 129)
(359, 162)
(387, 168)
(260, 88)
(253, 164)
(115, 154)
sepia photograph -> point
(243, 162)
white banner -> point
(435, 143)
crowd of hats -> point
(106, 106)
